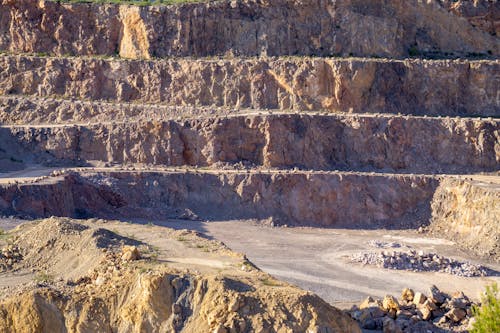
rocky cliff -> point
(395, 28)
(306, 141)
(349, 85)
(468, 212)
(297, 198)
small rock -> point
(130, 253)
(390, 303)
(390, 326)
(407, 295)
(100, 280)
(419, 299)
(369, 324)
(436, 295)
(425, 313)
(430, 305)
(456, 314)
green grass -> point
(44, 277)
(488, 314)
(133, 2)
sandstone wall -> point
(394, 28)
(351, 85)
(469, 212)
(421, 145)
(316, 199)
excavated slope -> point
(468, 211)
(352, 85)
(122, 294)
(307, 141)
(395, 28)
(329, 199)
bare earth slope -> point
(218, 292)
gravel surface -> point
(420, 262)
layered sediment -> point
(468, 211)
(297, 198)
(305, 141)
(395, 28)
(419, 87)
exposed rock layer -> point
(469, 212)
(403, 144)
(351, 85)
(394, 28)
(316, 199)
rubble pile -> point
(420, 262)
(415, 312)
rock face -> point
(395, 28)
(351, 85)
(320, 142)
(469, 211)
(318, 199)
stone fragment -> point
(456, 314)
(436, 295)
(390, 303)
(130, 253)
(425, 313)
(430, 305)
(419, 299)
(407, 295)
(389, 326)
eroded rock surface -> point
(469, 211)
(319, 142)
(302, 198)
(420, 87)
(395, 28)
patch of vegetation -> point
(44, 277)
(270, 282)
(488, 314)
(182, 239)
(413, 51)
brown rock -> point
(436, 295)
(130, 253)
(425, 313)
(390, 303)
(430, 305)
(456, 314)
(419, 299)
(458, 27)
(407, 294)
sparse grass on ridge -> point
(134, 2)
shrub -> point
(488, 314)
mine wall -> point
(416, 87)
(345, 200)
(396, 28)
(319, 142)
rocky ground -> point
(117, 282)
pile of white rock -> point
(415, 312)
(420, 262)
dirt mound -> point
(61, 246)
(145, 293)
